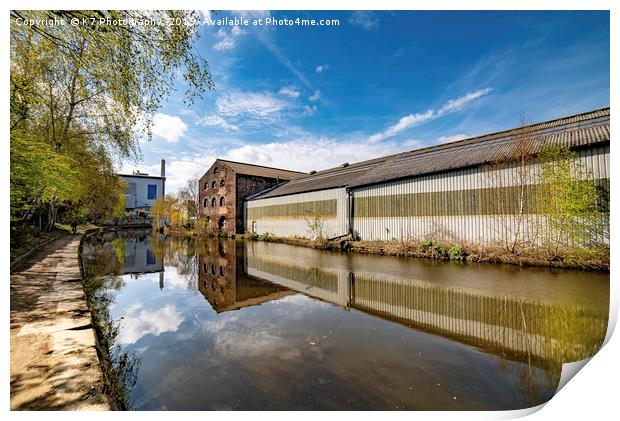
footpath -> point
(54, 362)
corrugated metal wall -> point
(291, 215)
(474, 205)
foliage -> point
(427, 244)
(72, 113)
(439, 250)
(569, 199)
(456, 252)
(162, 210)
(315, 224)
(119, 368)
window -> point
(204, 203)
(222, 201)
(215, 170)
(213, 202)
(222, 182)
(151, 192)
(213, 185)
(205, 185)
(221, 271)
(150, 258)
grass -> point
(29, 239)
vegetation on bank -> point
(100, 280)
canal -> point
(224, 324)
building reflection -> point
(123, 252)
(224, 283)
(541, 334)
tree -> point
(82, 95)
(569, 200)
(510, 179)
(189, 199)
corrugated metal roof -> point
(573, 131)
(261, 171)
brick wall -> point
(219, 182)
(217, 198)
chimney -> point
(163, 174)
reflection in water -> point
(296, 328)
(225, 285)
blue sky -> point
(308, 98)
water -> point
(259, 326)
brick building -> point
(226, 184)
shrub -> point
(427, 244)
(456, 253)
(440, 250)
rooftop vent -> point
(139, 173)
(312, 172)
(346, 164)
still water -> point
(225, 324)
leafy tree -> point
(568, 200)
(84, 95)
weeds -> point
(119, 368)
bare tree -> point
(188, 197)
(512, 179)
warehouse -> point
(475, 191)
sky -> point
(313, 97)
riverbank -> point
(579, 258)
(582, 259)
(54, 362)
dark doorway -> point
(221, 224)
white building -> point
(143, 189)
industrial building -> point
(143, 189)
(473, 191)
(224, 187)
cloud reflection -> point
(138, 322)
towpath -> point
(54, 362)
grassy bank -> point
(582, 259)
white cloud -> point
(315, 96)
(217, 121)
(228, 39)
(205, 16)
(365, 19)
(168, 127)
(453, 138)
(321, 68)
(250, 104)
(289, 91)
(411, 144)
(310, 153)
(404, 123)
(458, 103)
(413, 120)
(137, 325)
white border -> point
(591, 394)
